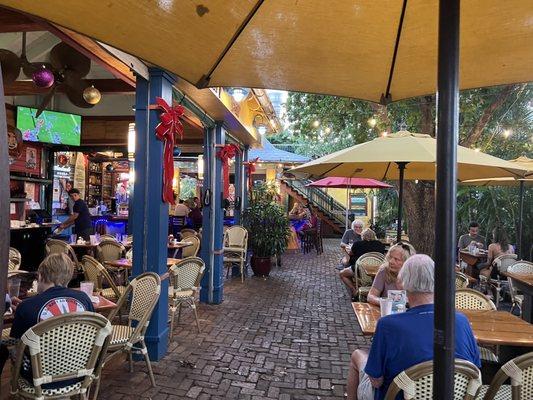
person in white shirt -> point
(181, 210)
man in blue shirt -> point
(53, 298)
(406, 339)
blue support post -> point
(245, 186)
(213, 282)
(150, 214)
(206, 249)
(238, 187)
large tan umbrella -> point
(405, 155)
(524, 162)
(341, 47)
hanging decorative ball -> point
(92, 95)
(176, 152)
(43, 77)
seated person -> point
(53, 298)
(295, 211)
(349, 237)
(387, 277)
(472, 236)
(406, 339)
(368, 244)
(499, 246)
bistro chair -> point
(416, 382)
(129, 254)
(144, 291)
(461, 280)
(55, 246)
(235, 248)
(497, 284)
(107, 236)
(470, 299)
(520, 371)
(191, 251)
(109, 250)
(63, 348)
(519, 267)
(185, 277)
(363, 281)
(15, 259)
(186, 233)
(97, 273)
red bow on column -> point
(167, 130)
(225, 153)
(250, 169)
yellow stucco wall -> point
(340, 196)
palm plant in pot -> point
(268, 228)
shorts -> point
(365, 391)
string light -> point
(316, 123)
(372, 122)
(384, 134)
(328, 129)
(507, 133)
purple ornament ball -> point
(43, 78)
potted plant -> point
(268, 228)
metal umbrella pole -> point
(521, 217)
(445, 218)
(401, 167)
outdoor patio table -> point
(489, 327)
(127, 264)
(524, 283)
(471, 260)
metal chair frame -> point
(235, 248)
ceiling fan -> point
(68, 66)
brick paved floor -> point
(286, 337)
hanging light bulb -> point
(316, 123)
(327, 130)
(238, 94)
(507, 133)
(261, 129)
(372, 122)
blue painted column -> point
(213, 282)
(150, 214)
(238, 186)
(245, 178)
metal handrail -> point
(319, 199)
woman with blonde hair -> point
(387, 276)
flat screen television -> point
(50, 127)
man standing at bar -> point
(80, 217)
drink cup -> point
(13, 287)
(73, 238)
(87, 287)
(93, 239)
(385, 306)
(118, 237)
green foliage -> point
(266, 222)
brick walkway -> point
(287, 337)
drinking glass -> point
(385, 306)
(13, 287)
(73, 238)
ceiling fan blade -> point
(46, 100)
(74, 91)
(10, 66)
(65, 58)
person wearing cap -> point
(80, 217)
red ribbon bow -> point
(167, 130)
(225, 153)
(250, 169)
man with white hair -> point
(406, 339)
(349, 237)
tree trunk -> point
(420, 213)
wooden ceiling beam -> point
(27, 88)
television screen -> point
(49, 127)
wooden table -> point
(127, 264)
(524, 283)
(490, 327)
(178, 246)
(371, 270)
(471, 261)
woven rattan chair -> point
(520, 371)
(235, 248)
(498, 285)
(54, 246)
(107, 236)
(363, 282)
(109, 250)
(96, 273)
(61, 348)
(129, 338)
(129, 254)
(519, 267)
(461, 280)
(185, 277)
(191, 251)
(187, 233)
(417, 382)
(470, 299)
(15, 259)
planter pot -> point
(261, 265)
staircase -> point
(329, 210)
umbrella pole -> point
(401, 167)
(520, 218)
(446, 191)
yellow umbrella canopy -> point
(523, 161)
(378, 159)
(340, 48)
